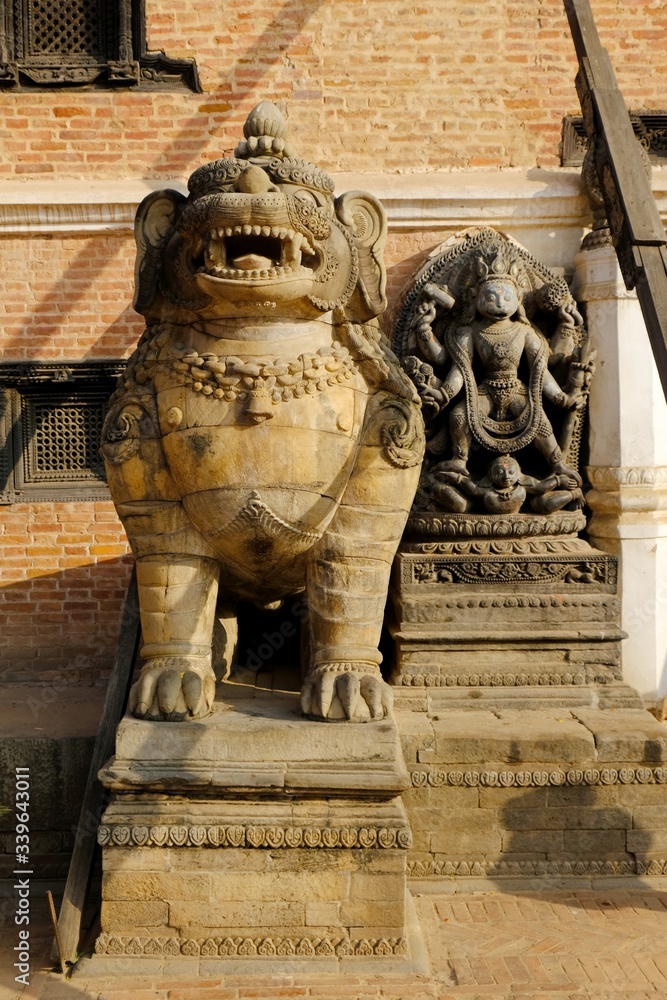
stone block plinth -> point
(551, 794)
(254, 836)
(526, 614)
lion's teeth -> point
(215, 255)
(256, 230)
(266, 230)
(291, 250)
(247, 230)
(275, 232)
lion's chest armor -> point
(260, 444)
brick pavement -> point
(495, 943)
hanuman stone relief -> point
(498, 352)
(264, 439)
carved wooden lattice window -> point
(650, 128)
(67, 42)
(51, 418)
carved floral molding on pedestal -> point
(652, 866)
(246, 947)
(616, 477)
(487, 679)
(253, 836)
(539, 778)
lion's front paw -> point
(340, 692)
(173, 688)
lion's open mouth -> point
(243, 252)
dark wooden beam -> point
(634, 221)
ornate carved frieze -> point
(255, 836)
(423, 869)
(539, 778)
(489, 679)
(246, 947)
(492, 569)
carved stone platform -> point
(554, 793)
(501, 609)
(254, 837)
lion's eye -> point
(306, 195)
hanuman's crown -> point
(500, 268)
(266, 146)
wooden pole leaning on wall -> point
(78, 878)
(637, 231)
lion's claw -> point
(172, 689)
(346, 695)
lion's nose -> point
(254, 180)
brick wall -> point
(368, 84)
(67, 298)
(62, 574)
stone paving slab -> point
(625, 734)
(548, 736)
(518, 941)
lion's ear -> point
(366, 222)
(153, 225)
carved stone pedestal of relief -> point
(254, 840)
(510, 611)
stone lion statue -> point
(264, 440)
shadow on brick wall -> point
(61, 629)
